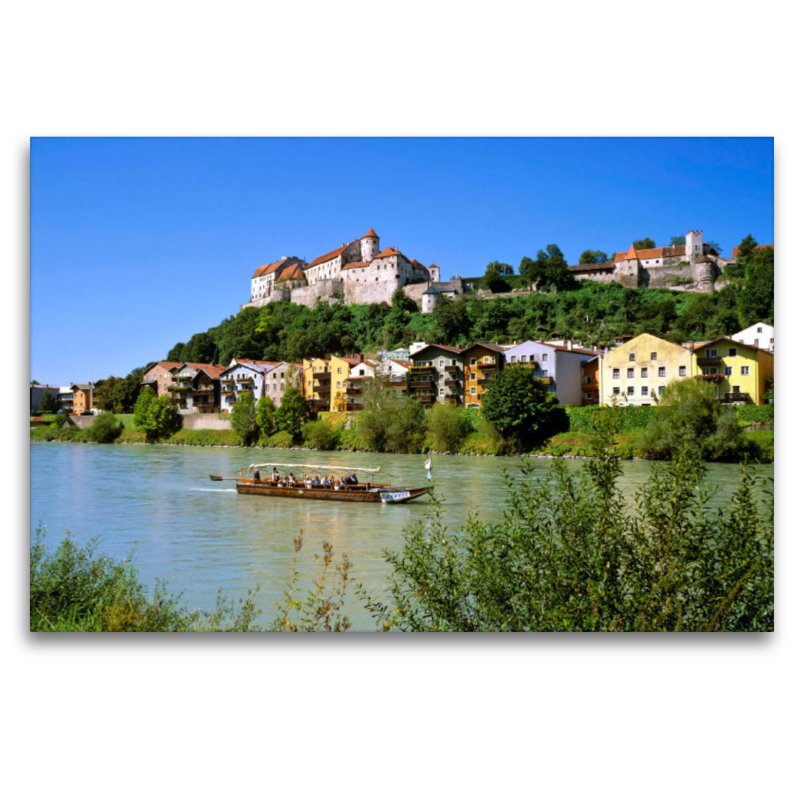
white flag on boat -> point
(428, 467)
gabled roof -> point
(164, 364)
(266, 269)
(390, 251)
(695, 346)
(293, 273)
(592, 267)
(455, 350)
(370, 233)
(213, 371)
(652, 252)
(487, 345)
(405, 364)
(83, 386)
(328, 256)
(354, 264)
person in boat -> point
(276, 476)
(257, 477)
(292, 481)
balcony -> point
(546, 380)
(318, 403)
(708, 361)
(354, 390)
(245, 381)
(452, 381)
(452, 369)
(486, 367)
(226, 392)
(421, 384)
(716, 378)
(482, 381)
(422, 370)
(734, 397)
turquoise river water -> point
(201, 536)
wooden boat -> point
(361, 492)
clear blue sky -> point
(136, 244)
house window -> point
(644, 372)
(711, 353)
(441, 363)
(630, 391)
(709, 370)
(645, 391)
(662, 372)
(630, 372)
(523, 359)
(653, 356)
(682, 372)
(513, 359)
(544, 356)
(472, 376)
(472, 390)
(731, 352)
(759, 330)
(729, 371)
(661, 390)
(472, 362)
(755, 343)
(736, 389)
(615, 374)
(441, 392)
(615, 390)
(745, 370)
(632, 357)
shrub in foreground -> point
(570, 556)
(106, 428)
(320, 435)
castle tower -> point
(369, 245)
(694, 246)
(434, 273)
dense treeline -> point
(591, 313)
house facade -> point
(638, 371)
(317, 383)
(81, 398)
(242, 376)
(759, 335)
(590, 381)
(482, 363)
(159, 376)
(437, 375)
(279, 378)
(451, 289)
(740, 373)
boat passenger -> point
(292, 481)
(256, 477)
(276, 476)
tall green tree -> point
(265, 417)
(522, 410)
(593, 257)
(142, 405)
(646, 243)
(494, 278)
(549, 272)
(48, 404)
(292, 413)
(243, 419)
(757, 299)
(157, 416)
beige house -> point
(637, 372)
(159, 376)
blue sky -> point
(136, 244)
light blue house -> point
(558, 366)
(243, 376)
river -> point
(200, 536)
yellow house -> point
(340, 372)
(482, 362)
(741, 373)
(81, 398)
(317, 383)
(637, 372)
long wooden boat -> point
(354, 493)
(361, 492)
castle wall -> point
(308, 295)
(415, 292)
(365, 293)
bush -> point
(630, 418)
(570, 557)
(280, 439)
(243, 419)
(105, 428)
(320, 435)
(74, 589)
(750, 414)
(205, 438)
(446, 428)
(405, 432)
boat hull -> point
(351, 494)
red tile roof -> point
(390, 251)
(293, 273)
(266, 269)
(653, 252)
(354, 264)
(213, 371)
(328, 256)
(370, 233)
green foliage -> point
(647, 243)
(75, 589)
(243, 419)
(495, 277)
(388, 424)
(750, 414)
(292, 413)
(205, 438)
(569, 556)
(593, 257)
(629, 418)
(281, 439)
(156, 416)
(320, 608)
(549, 271)
(757, 302)
(265, 418)
(446, 427)
(106, 428)
(48, 404)
(689, 409)
(677, 241)
(320, 435)
(522, 410)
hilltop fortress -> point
(693, 267)
(357, 272)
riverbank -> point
(575, 444)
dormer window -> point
(632, 357)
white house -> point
(759, 335)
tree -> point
(402, 302)
(243, 418)
(292, 412)
(446, 427)
(677, 241)
(522, 410)
(265, 417)
(48, 404)
(549, 272)
(593, 257)
(494, 279)
(321, 435)
(757, 299)
(746, 246)
(406, 430)
(176, 354)
(105, 428)
(157, 416)
(142, 405)
(647, 244)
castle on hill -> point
(693, 267)
(357, 272)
